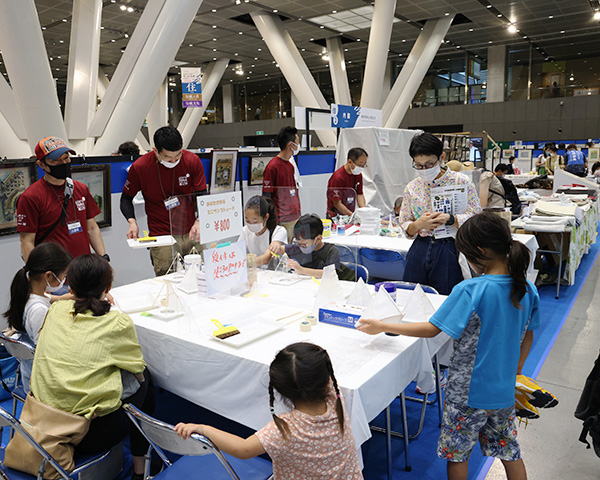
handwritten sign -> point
(191, 86)
(225, 267)
(220, 216)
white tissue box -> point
(340, 314)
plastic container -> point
(193, 260)
(390, 287)
(326, 227)
(341, 227)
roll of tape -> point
(305, 326)
(312, 319)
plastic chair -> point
(81, 463)
(200, 455)
(360, 271)
(382, 264)
(411, 286)
(21, 351)
(346, 254)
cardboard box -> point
(341, 315)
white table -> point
(232, 382)
(402, 245)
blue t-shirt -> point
(487, 331)
(575, 157)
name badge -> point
(74, 227)
(350, 199)
(171, 203)
(292, 192)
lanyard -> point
(161, 185)
(66, 201)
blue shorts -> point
(462, 426)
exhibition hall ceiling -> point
(556, 30)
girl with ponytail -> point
(491, 319)
(30, 298)
(261, 232)
(314, 439)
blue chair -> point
(360, 271)
(382, 264)
(200, 457)
(83, 465)
(411, 286)
(346, 254)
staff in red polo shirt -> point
(279, 180)
(345, 186)
(56, 208)
(169, 178)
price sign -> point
(220, 216)
(225, 267)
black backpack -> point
(588, 408)
(511, 197)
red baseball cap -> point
(52, 148)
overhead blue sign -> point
(345, 116)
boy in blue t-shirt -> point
(491, 319)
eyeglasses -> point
(424, 166)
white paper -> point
(330, 290)
(384, 137)
(418, 308)
(189, 284)
(382, 307)
(360, 295)
(452, 199)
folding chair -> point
(382, 264)
(21, 351)
(424, 401)
(360, 271)
(347, 255)
(199, 454)
(82, 464)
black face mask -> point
(61, 171)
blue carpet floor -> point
(423, 458)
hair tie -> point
(272, 411)
(26, 270)
(338, 395)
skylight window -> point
(348, 20)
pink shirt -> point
(417, 199)
(315, 450)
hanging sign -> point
(220, 216)
(191, 87)
(344, 116)
(225, 267)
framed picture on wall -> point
(15, 177)
(223, 170)
(594, 154)
(506, 154)
(524, 154)
(257, 170)
(97, 179)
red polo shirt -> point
(279, 181)
(345, 187)
(158, 183)
(40, 206)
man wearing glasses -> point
(169, 178)
(432, 261)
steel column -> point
(158, 116)
(337, 67)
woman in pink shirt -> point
(314, 440)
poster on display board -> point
(191, 87)
(345, 116)
(225, 267)
(220, 216)
(524, 154)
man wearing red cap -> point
(57, 208)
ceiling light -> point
(334, 11)
(470, 29)
(325, 58)
(191, 44)
(130, 9)
(446, 14)
(126, 35)
(571, 78)
(123, 7)
(214, 26)
(550, 16)
(275, 11)
(499, 15)
(238, 2)
(597, 16)
(214, 10)
(489, 6)
(562, 31)
(512, 29)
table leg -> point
(388, 441)
(408, 468)
(438, 386)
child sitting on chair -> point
(314, 440)
(308, 254)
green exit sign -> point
(260, 132)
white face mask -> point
(358, 170)
(429, 174)
(51, 289)
(296, 149)
(255, 227)
(169, 164)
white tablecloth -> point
(232, 382)
(402, 245)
